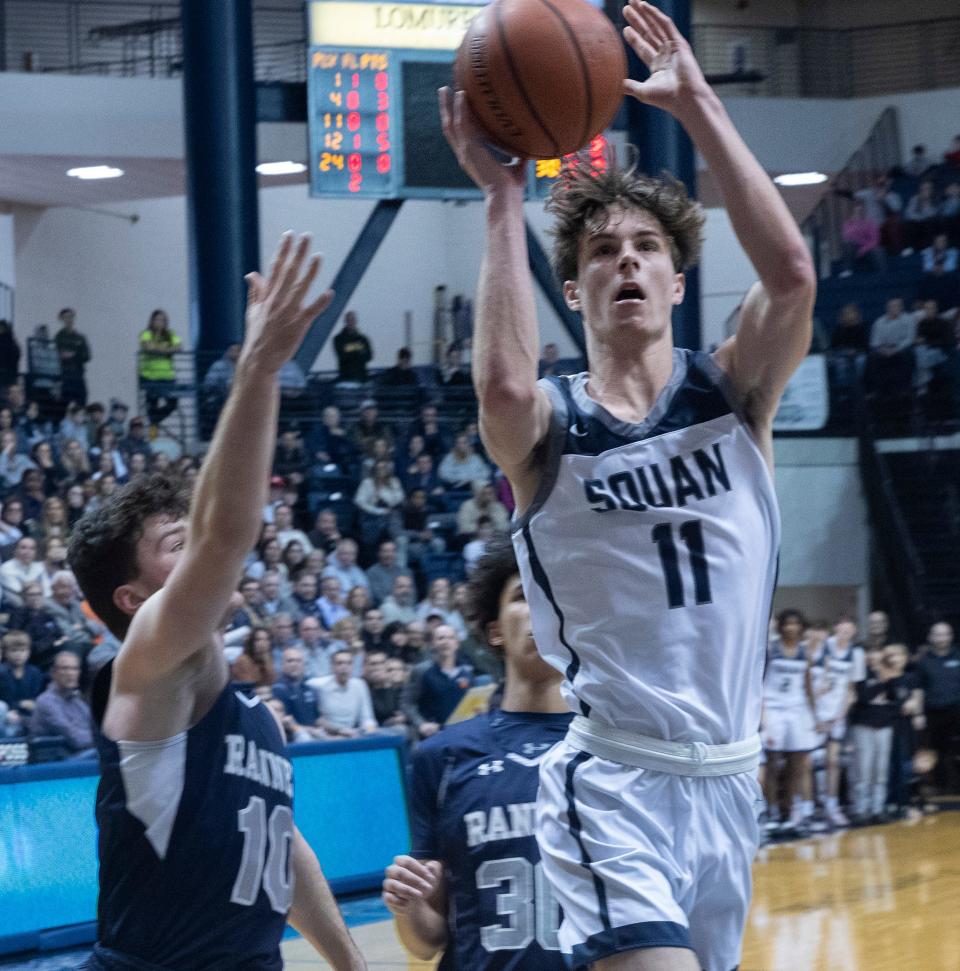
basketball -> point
(542, 76)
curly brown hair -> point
(582, 199)
(103, 548)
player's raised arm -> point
(775, 328)
(180, 619)
(514, 413)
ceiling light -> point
(95, 172)
(281, 168)
(800, 178)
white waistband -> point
(677, 758)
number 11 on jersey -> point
(691, 532)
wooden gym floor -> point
(884, 898)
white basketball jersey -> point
(837, 671)
(785, 680)
(648, 557)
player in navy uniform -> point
(201, 865)
(647, 525)
(473, 885)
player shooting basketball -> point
(647, 527)
(201, 865)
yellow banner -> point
(422, 26)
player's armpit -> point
(512, 426)
(773, 337)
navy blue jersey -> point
(474, 790)
(195, 843)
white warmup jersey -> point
(784, 682)
(648, 558)
(836, 670)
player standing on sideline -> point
(473, 885)
(201, 865)
(648, 528)
(836, 673)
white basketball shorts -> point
(789, 730)
(639, 858)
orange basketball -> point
(542, 76)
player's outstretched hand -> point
(675, 76)
(470, 144)
(407, 881)
(278, 315)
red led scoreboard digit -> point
(351, 116)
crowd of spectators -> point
(897, 725)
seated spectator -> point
(313, 642)
(291, 459)
(304, 597)
(383, 573)
(941, 286)
(451, 373)
(52, 524)
(13, 463)
(549, 360)
(346, 709)
(940, 253)
(251, 613)
(74, 426)
(861, 243)
(379, 498)
(374, 631)
(401, 605)
(329, 443)
(342, 565)
(11, 523)
(424, 476)
(919, 218)
(76, 465)
(406, 463)
(950, 212)
(269, 556)
(402, 375)
(385, 696)
(106, 444)
(283, 634)
(417, 537)
(461, 467)
(331, 602)
(78, 633)
(76, 504)
(20, 570)
(61, 710)
(919, 162)
(326, 532)
(286, 531)
(255, 664)
(294, 559)
(136, 441)
(358, 603)
(369, 428)
(475, 549)
(54, 475)
(483, 503)
(427, 426)
(273, 599)
(299, 699)
(35, 618)
(345, 636)
(951, 157)
(438, 602)
(884, 207)
(890, 365)
(20, 681)
(436, 686)
(117, 419)
(850, 336)
(31, 492)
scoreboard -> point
(372, 76)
